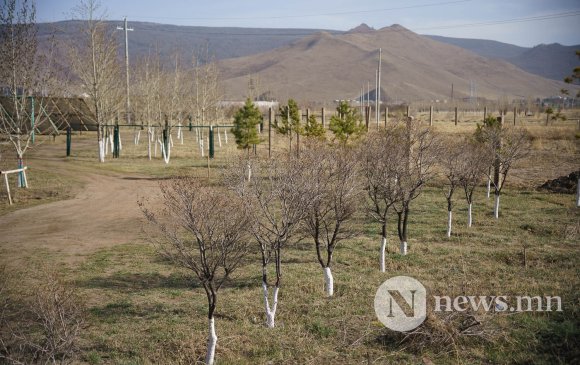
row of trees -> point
(314, 196)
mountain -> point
(221, 43)
(324, 67)
(553, 61)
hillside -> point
(222, 43)
(553, 61)
(326, 67)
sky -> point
(521, 22)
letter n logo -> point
(401, 303)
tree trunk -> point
(496, 206)
(211, 343)
(578, 193)
(488, 186)
(149, 139)
(383, 248)
(270, 311)
(449, 220)
(329, 282)
(469, 216)
(101, 143)
(403, 247)
(249, 170)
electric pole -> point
(125, 28)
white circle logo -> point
(401, 303)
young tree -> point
(380, 156)
(333, 181)
(346, 125)
(94, 62)
(277, 201)
(451, 162)
(245, 129)
(505, 146)
(474, 162)
(25, 74)
(314, 129)
(202, 230)
(420, 152)
(289, 119)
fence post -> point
(211, 142)
(68, 141)
(116, 141)
(270, 132)
(455, 115)
(515, 115)
(408, 111)
(323, 119)
(386, 116)
(484, 112)
(431, 116)
(190, 126)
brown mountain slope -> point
(325, 67)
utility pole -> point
(125, 28)
(379, 88)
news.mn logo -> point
(401, 303)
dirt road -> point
(102, 214)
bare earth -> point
(104, 213)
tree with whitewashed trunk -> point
(146, 92)
(245, 130)
(202, 229)
(474, 163)
(504, 146)
(333, 181)
(95, 65)
(25, 73)
(277, 200)
(380, 157)
(420, 154)
(451, 163)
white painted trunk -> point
(111, 141)
(383, 248)
(137, 137)
(226, 135)
(102, 144)
(449, 220)
(120, 143)
(488, 186)
(496, 207)
(170, 140)
(329, 282)
(166, 154)
(219, 138)
(211, 343)
(149, 139)
(404, 248)
(469, 216)
(270, 311)
(180, 135)
(201, 147)
(249, 172)
(158, 141)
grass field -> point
(141, 310)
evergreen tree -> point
(245, 128)
(292, 124)
(347, 124)
(314, 129)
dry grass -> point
(141, 310)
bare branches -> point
(203, 230)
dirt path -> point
(104, 213)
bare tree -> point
(146, 94)
(277, 200)
(473, 164)
(334, 184)
(202, 230)
(94, 62)
(505, 146)
(380, 157)
(451, 162)
(26, 75)
(420, 150)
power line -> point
(313, 15)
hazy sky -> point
(520, 22)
